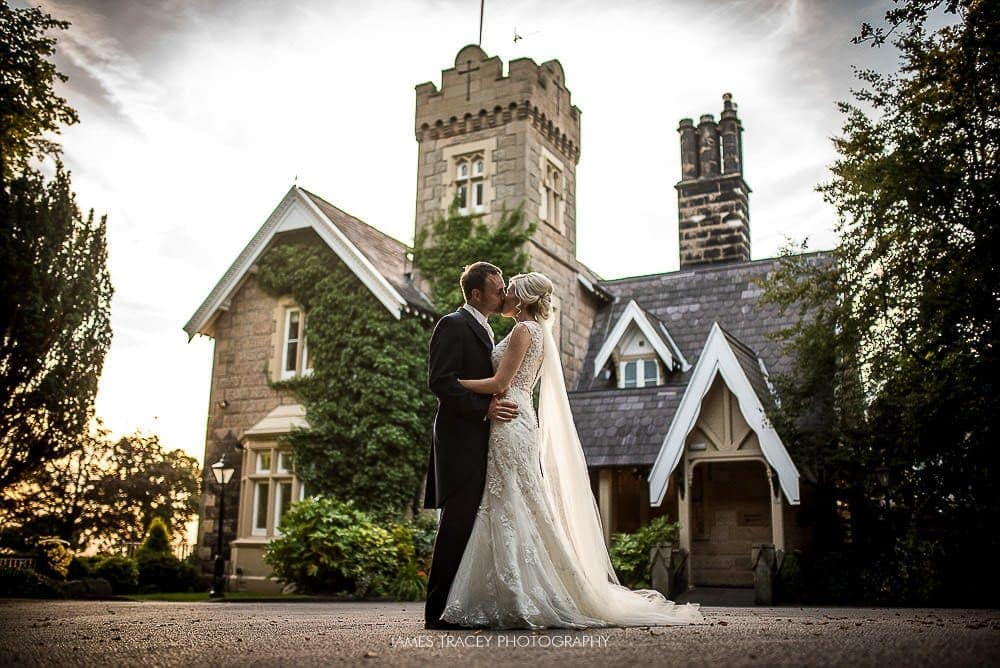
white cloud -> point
(197, 117)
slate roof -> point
(386, 254)
(750, 363)
(662, 333)
(624, 427)
(687, 302)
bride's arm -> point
(498, 383)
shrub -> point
(54, 558)
(329, 546)
(630, 551)
(28, 584)
(121, 572)
(82, 567)
(159, 569)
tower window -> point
(470, 174)
(552, 196)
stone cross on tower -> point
(468, 79)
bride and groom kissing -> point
(519, 542)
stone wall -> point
(239, 398)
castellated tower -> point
(498, 141)
(713, 205)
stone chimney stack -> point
(713, 204)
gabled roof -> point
(725, 356)
(624, 427)
(379, 261)
(652, 328)
(687, 302)
(386, 254)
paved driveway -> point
(78, 633)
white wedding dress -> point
(536, 557)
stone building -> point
(668, 373)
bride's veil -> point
(564, 470)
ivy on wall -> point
(450, 242)
(366, 401)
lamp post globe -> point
(222, 474)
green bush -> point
(790, 586)
(157, 540)
(54, 558)
(159, 569)
(630, 551)
(82, 567)
(424, 532)
(329, 546)
(121, 572)
(28, 584)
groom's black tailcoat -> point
(456, 472)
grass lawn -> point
(193, 597)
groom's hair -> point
(474, 277)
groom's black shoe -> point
(441, 625)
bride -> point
(536, 557)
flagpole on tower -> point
(482, 9)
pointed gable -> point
(741, 370)
(652, 328)
(378, 260)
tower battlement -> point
(475, 95)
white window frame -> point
(640, 372)
(286, 340)
(278, 468)
(306, 369)
(258, 454)
(301, 364)
(256, 530)
(278, 509)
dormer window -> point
(639, 350)
(639, 373)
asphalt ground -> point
(130, 633)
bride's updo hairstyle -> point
(534, 293)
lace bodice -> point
(527, 373)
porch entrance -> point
(730, 510)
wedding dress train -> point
(536, 557)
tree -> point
(918, 297)
(29, 107)
(105, 493)
(55, 291)
(142, 482)
(453, 241)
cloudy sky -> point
(197, 116)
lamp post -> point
(222, 475)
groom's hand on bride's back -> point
(501, 410)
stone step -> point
(718, 596)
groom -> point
(456, 474)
